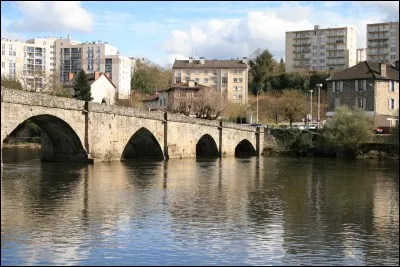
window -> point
(337, 102)
(315, 47)
(224, 80)
(322, 46)
(337, 87)
(391, 86)
(392, 57)
(360, 85)
(361, 102)
(237, 88)
(391, 104)
(314, 54)
(205, 80)
(177, 79)
(322, 60)
(322, 53)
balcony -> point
(301, 52)
(378, 46)
(335, 42)
(302, 37)
(377, 30)
(334, 49)
(336, 56)
(382, 38)
(335, 64)
(303, 44)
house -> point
(100, 84)
(371, 86)
(180, 97)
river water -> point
(230, 211)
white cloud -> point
(239, 37)
(40, 16)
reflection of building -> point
(371, 86)
(100, 86)
(383, 42)
(320, 49)
(178, 97)
(230, 77)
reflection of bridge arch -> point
(60, 142)
(206, 147)
(245, 149)
(142, 144)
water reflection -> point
(258, 211)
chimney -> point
(190, 60)
(202, 60)
(383, 69)
(108, 75)
(70, 76)
(191, 84)
(244, 60)
(96, 75)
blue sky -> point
(164, 30)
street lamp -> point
(311, 91)
(319, 85)
(258, 92)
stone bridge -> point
(74, 130)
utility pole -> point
(319, 101)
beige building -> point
(320, 49)
(361, 54)
(29, 61)
(383, 42)
(230, 77)
(94, 56)
(371, 86)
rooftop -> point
(217, 64)
(367, 70)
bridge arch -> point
(245, 149)
(142, 144)
(59, 141)
(206, 147)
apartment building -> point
(230, 77)
(320, 49)
(22, 60)
(383, 42)
(361, 54)
(94, 56)
(29, 62)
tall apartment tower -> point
(320, 49)
(361, 54)
(31, 60)
(383, 42)
(229, 77)
(94, 56)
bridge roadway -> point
(74, 130)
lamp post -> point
(319, 101)
(258, 92)
(311, 91)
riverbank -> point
(23, 145)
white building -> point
(94, 56)
(361, 54)
(320, 49)
(383, 42)
(101, 87)
(22, 60)
(29, 61)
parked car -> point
(378, 131)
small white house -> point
(101, 87)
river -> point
(229, 211)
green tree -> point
(281, 67)
(349, 128)
(82, 87)
(262, 65)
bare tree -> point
(209, 104)
(42, 82)
(294, 105)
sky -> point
(163, 31)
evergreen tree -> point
(82, 87)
